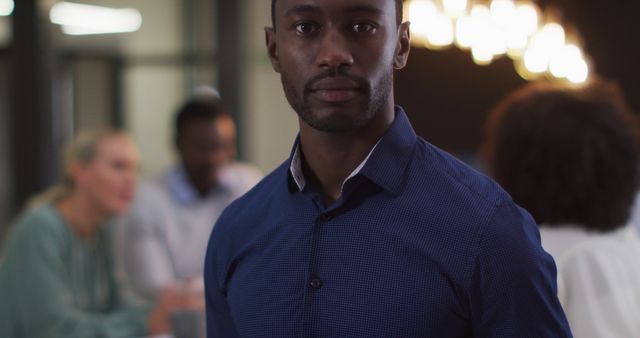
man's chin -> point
(335, 119)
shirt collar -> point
(298, 176)
(182, 189)
(385, 163)
(388, 163)
(295, 168)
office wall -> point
(152, 95)
(163, 62)
(93, 93)
(5, 170)
(154, 81)
(5, 30)
(271, 125)
(5, 178)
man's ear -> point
(272, 50)
(403, 47)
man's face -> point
(204, 147)
(336, 59)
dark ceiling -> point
(447, 96)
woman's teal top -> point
(55, 284)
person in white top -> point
(635, 213)
(570, 156)
(164, 237)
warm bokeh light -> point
(523, 23)
(482, 41)
(502, 12)
(482, 54)
(536, 60)
(491, 29)
(440, 33)
(421, 14)
(579, 72)
(80, 19)
(516, 42)
(6, 7)
(526, 15)
(546, 42)
(465, 30)
(561, 62)
(552, 36)
(522, 70)
(480, 12)
(454, 8)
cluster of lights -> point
(81, 19)
(499, 27)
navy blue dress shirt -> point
(418, 245)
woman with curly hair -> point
(569, 155)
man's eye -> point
(305, 28)
(366, 28)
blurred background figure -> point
(570, 156)
(57, 278)
(165, 234)
(635, 212)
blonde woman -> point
(57, 277)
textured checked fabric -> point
(419, 245)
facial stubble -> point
(377, 98)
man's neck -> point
(329, 158)
(203, 189)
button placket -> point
(324, 217)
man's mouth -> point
(335, 89)
(335, 95)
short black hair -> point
(398, 12)
(566, 154)
(197, 110)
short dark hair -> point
(566, 154)
(197, 110)
(398, 12)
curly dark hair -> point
(398, 12)
(567, 154)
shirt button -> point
(316, 283)
(325, 217)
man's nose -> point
(334, 50)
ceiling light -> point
(6, 7)
(81, 19)
(492, 28)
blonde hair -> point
(82, 149)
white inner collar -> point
(298, 174)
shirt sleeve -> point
(42, 299)
(513, 281)
(146, 259)
(219, 321)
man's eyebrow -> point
(366, 9)
(309, 9)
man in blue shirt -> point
(368, 230)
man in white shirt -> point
(165, 234)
